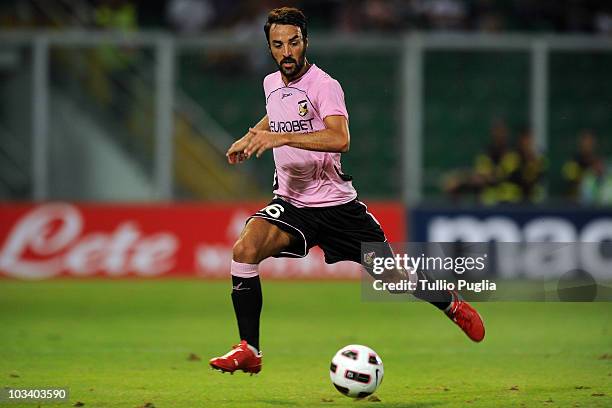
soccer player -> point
(314, 203)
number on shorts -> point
(274, 210)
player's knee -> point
(245, 252)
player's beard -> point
(298, 64)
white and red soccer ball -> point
(356, 371)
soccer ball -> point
(356, 371)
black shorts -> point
(338, 230)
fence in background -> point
(420, 105)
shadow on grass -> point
(377, 404)
(427, 404)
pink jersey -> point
(306, 178)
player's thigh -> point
(345, 228)
(259, 240)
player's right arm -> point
(235, 153)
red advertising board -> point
(40, 241)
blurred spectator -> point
(502, 175)
(189, 16)
(494, 166)
(585, 160)
(193, 16)
(250, 26)
(491, 23)
(497, 16)
(603, 20)
(443, 14)
(596, 184)
(491, 168)
(529, 166)
(109, 63)
(348, 19)
(381, 15)
(116, 15)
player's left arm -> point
(335, 138)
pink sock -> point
(244, 270)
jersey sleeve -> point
(330, 99)
(265, 90)
(267, 85)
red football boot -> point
(467, 318)
(242, 357)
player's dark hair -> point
(287, 16)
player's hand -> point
(262, 140)
(236, 154)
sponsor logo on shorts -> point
(368, 258)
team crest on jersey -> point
(303, 108)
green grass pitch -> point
(126, 344)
